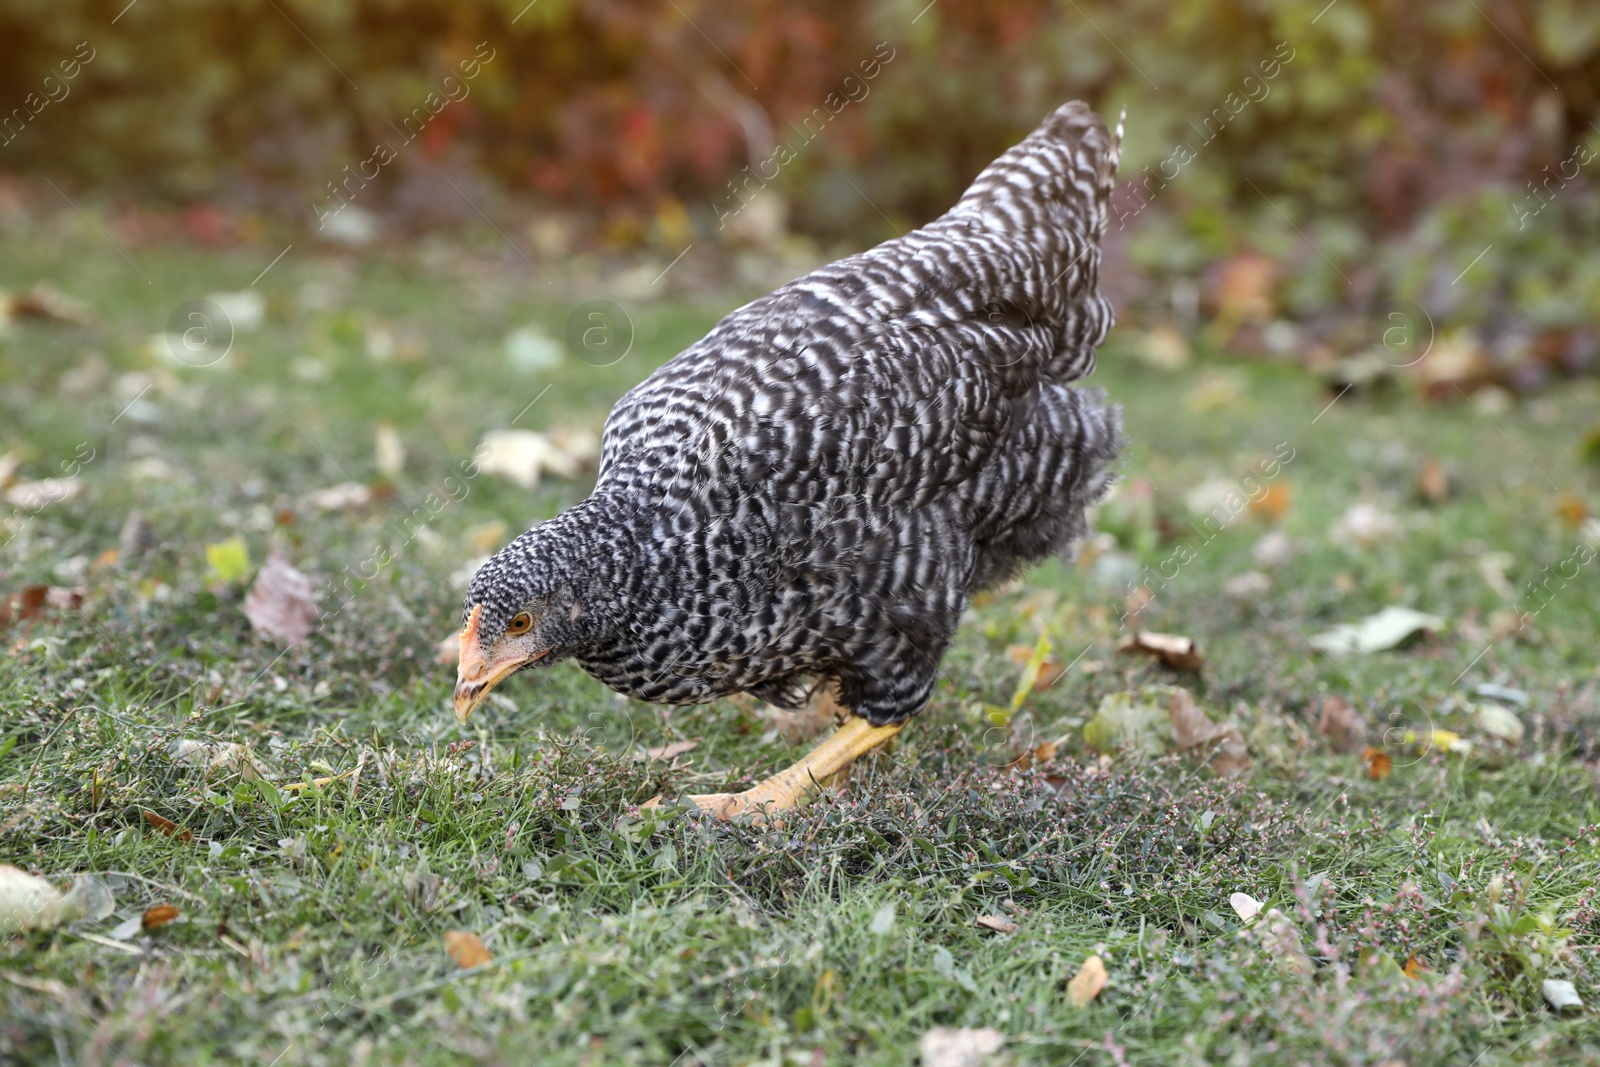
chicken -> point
(808, 496)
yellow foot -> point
(788, 787)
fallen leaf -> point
(1087, 983)
(44, 301)
(1173, 651)
(1503, 693)
(244, 309)
(1281, 938)
(1344, 727)
(484, 538)
(998, 923)
(1164, 348)
(158, 916)
(522, 456)
(1128, 720)
(667, 751)
(465, 948)
(282, 603)
(1560, 994)
(1442, 740)
(946, 1046)
(346, 497)
(28, 902)
(1244, 291)
(1247, 588)
(1378, 763)
(389, 450)
(229, 561)
(35, 496)
(1500, 723)
(210, 755)
(1032, 670)
(1364, 525)
(530, 350)
(32, 601)
(136, 536)
(1192, 729)
(168, 827)
(1414, 967)
(1433, 481)
(1387, 629)
(448, 650)
(127, 929)
(1272, 505)
(1273, 550)
(1245, 906)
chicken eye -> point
(521, 623)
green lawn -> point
(313, 918)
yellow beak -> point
(475, 675)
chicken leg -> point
(791, 785)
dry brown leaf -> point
(168, 827)
(668, 751)
(998, 923)
(158, 916)
(948, 1046)
(1342, 725)
(1087, 983)
(1572, 509)
(33, 600)
(465, 948)
(1414, 967)
(1433, 481)
(282, 604)
(1378, 763)
(46, 302)
(1178, 653)
(1135, 603)
(1244, 291)
(1220, 743)
(1273, 505)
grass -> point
(314, 915)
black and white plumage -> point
(814, 490)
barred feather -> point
(816, 488)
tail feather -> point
(1061, 173)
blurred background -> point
(1292, 170)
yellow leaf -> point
(465, 948)
(229, 560)
(1030, 672)
(1087, 983)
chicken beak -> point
(475, 674)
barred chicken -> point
(806, 498)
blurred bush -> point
(1368, 148)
